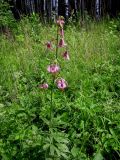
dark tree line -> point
(52, 8)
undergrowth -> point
(87, 114)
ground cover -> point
(86, 114)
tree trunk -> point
(97, 9)
(56, 8)
(66, 9)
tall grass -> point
(87, 113)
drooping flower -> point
(62, 43)
(53, 68)
(49, 45)
(60, 22)
(61, 32)
(43, 86)
(61, 83)
(66, 55)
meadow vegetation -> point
(86, 115)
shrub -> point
(6, 16)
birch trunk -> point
(56, 8)
(97, 9)
(66, 8)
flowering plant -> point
(54, 69)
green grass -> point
(86, 115)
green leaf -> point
(52, 150)
(75, 151)
(98, 156)
(61, 138)
(46, 146)
(34, 129)
(58, 152)
(62, 147)
(64, 155)
(82, 124)
(112, 132)
(45, 121)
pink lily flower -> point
(62, 32)
(49, 45)
(62, 43)
(66, 55)
(60, 22)
(43, 86)
(53, 68)
(61, 83)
